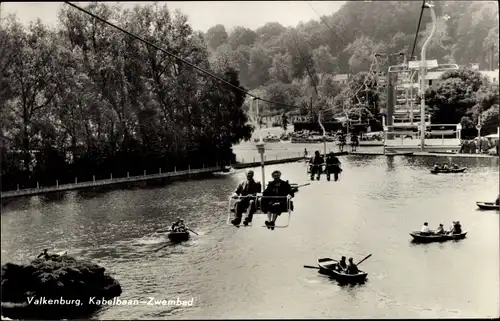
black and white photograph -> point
(176, 160)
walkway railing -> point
(145, 177)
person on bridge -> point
(278, 194)
(246, 192)
(332, 166)
(351, 267)
(316, 165)
(354, 142)
(425, 229)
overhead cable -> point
(176, 57)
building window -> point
(430, 82)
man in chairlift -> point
(248, 190)
(274, 206)
(315, 167)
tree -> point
(454, 95)
(281, 69)
(241, 36)
(324, 63)
(258, 67)
(216, 36)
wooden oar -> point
(192, 231)
(364, 259)
(311, 267)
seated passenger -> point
(175, 224)
(425, 229)
(274, 206)
(457, 228)
(351, 267)
(316, 164)
(455, 166)
(436, 166)
(445, 167)
(342, 265)
(440, 230)
(249, 190)
(333, 166)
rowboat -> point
(417, 236)
(178, 236)
(487, 206)
(447, 171)
(326, 266)
(399, 154)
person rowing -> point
(247, 192)
(316, 164)
(351, 267)
(175, 224)
(456, 229)
(275, 203)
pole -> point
(390, 97)
(422, 77)
(260, 145)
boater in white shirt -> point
(425, 229)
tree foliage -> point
(86, 99)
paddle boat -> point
(326, 266)
(427, 238)
(488, 206)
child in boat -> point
(352, 268)
(440, 229)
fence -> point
(145, 177)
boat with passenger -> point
(327, 266)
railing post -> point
(144, 173)
(76, 180)
(254, 160)
(276, 157)
(175, 169)
(111, 176)
(93, 178)
(189, 168)
(57, 183)
(128, 175)
(203, 166)
(37, 185)
(160, 170)
(17, 186)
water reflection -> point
(233, 272)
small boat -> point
(447, 171)
(488, 206)
(417, 236)
(178, 236)
(399, 154)
(326, 267)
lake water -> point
(254, 272)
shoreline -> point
(200, 173)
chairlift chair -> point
(259, 197)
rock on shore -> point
(64, 279)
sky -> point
(202, 14)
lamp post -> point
(422, 76)
(260, 144)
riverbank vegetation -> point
(85, 99)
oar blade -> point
(311, 267)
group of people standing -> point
(474, 146)
(274, 200)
